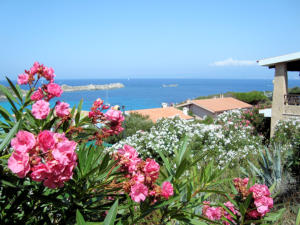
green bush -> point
(287, 133)
(207, 120)
(260, 123)
(253, 97)
(294, 90)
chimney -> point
(164, 105)
(185, 110)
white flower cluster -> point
(225, 141)
(286, 133)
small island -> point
(169, 85)
(90, 87)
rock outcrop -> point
(91, 87)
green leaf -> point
(197, 222)
(183, 150)
(112, 213)
(166, 162)
(298, 218)
(7, 94)
(10, 135)
(79, 218)
(274, 216)
(6, 115)
(182, 167)
(4, 182)
(17, 93)
(77, 117)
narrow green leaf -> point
(17, 93)
(4, 182)
(183, 150)
(182, 167)
(6, 115)
(80, 106)
(166, 162)
(7, 93)
(79, 218)
(298, 218)
(112, 213)
(9, 136)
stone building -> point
(284, 105)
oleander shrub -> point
(229, 140)
(260, 123)
(52, 174)
(287, 133)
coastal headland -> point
(68, 88)
(90, 87)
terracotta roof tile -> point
(158, 113)
(221, 104)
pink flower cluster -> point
(41, 96)
(62, 109)
(115, 119)
(96, 111)
(141, 176)
(216, 213)
(111, 121)
(261, 195)
(49, 158)
(262, 201)
(261, 204)
(43, 71)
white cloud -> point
(234, 62)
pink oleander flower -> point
(245, 181)
(128, 152)
(40, 109)
(263, 205)
(62, 109)
(213, 213)
(49, 74)
(167, 189)
(139, 192)
(18, 163)
(151, 169)
(46, 140)
(34, 69)
(23, 142)
(23, 78)
(259, 190)
(138, 178)
(131, 158)
(227, 215)
(37, 95)
(253, 214)
(231, 207)
(114, 115)
(91, 114)
(54, 90)
(64, 153)
(39, 172)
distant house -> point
(164, 112)
(213, 107)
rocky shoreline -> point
(91, 87)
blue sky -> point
(147, 39)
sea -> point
(151, 93)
